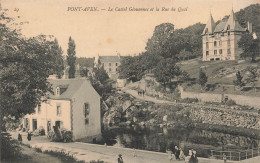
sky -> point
(106, 32)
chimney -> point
(249, 27)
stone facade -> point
(109, 63)
(220, 42)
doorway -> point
(34, 123)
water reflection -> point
(158, 139)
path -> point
(88, 152)
(158, 101)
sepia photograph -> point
(129, 81)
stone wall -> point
(227, 118)
(211, 97)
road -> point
(88, 152)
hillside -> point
(220, 75)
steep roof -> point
(210, 26)
(68, 87)
(220, 27)
(109, 59)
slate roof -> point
(68, 87)
(109, 59)
(220, 27)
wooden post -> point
(230, 157)
(238, 156)
(246, 154)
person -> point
(20, 137)
(120, 159)
(224, 157)
(187, 159)
(195, 157)
(177, 153)
(169, 153)
(134, 154)
(29, 136)
(143, 92)
(182, 156)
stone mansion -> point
(220, 41)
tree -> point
(160, 41)
(238, 81)
(101, 83)
(57, 58)
(250, 46)
(131, 68)
(166, 70)
(203, 79)
(25, 64)
(71, 57)
(253, 75)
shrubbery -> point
(65, 136)
(9, 147)
(39, 132)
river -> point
(158, 139)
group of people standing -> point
(29, 137)
(141, 92)
(179, 155)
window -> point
(116, 64)
(220, 51)
(57, 91)
(207, 45)
(116, 69)
(228, 42)
(228, 51)
(109, 69)
(212, 59)
(222, 34)
(207, 52)
(217, 59)
(220, 43)
(215, 52)
(228, 33)
(39, 109)
(109, 64)
(58, 111)
(86, 112)
(215, 43)
(228, 27)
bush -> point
(230, 102)
(189, 100)
(39, 132)
(66, 136)
(9, 148)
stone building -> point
(220, 41)
(73, 105)
(109, 63)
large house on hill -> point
(74, 105)
(110, 64)
(220, 41)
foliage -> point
(160, 41)
(238, 81)
(131, 68)
(9, 147)
(57, 58)
(63, 156)
(189, 100)
(40, 131)
(230, 102)
(202, 78)
(254, 74)
(25, 64)
(166, 70)
(85, 62)
(71, 57)
(66, 136)
(250, 46)
(101, 83)
(184, 54)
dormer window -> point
(228, 27)
(57, 91)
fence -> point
(236, 155)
